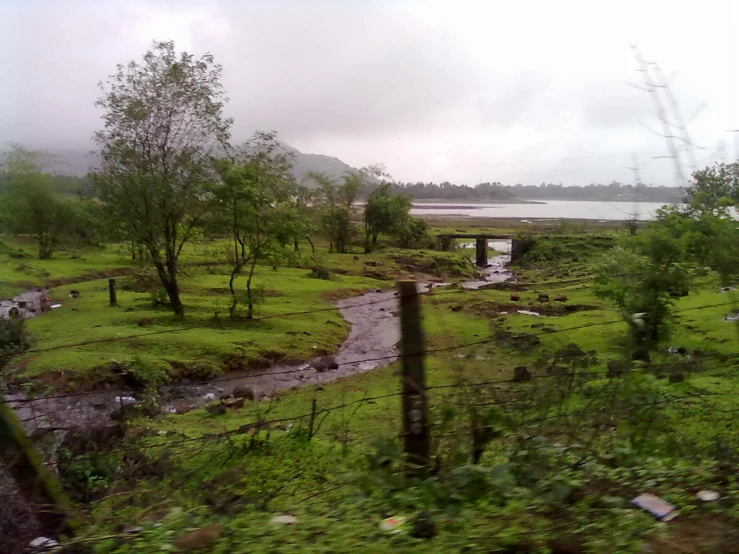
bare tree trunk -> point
(313, 248)
(249, 297)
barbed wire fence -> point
(528, 400)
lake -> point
(548, 209)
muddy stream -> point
(373, 336)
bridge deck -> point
(474, 236)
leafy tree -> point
(29, 204)
(642, 278)
(256, 206)
(335, 203)
(164, 128)
(713, 190)
(385, 212)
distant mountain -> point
(78, 162)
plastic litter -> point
(125, 400)
(43, 543)
(393, 524)
(528, 312)
(55, 306)
(732, 317)
(209, 397)
(707, 495)
(656, 506)
(284, 519)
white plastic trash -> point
(707, 495)
(125, 400)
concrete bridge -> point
(518, 246)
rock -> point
(423, 527)
(287, 520)
(244, 392)
(200, 539)
(129, 309)
(515, 298)
(128, 412)
(224, 396)
(215, 409)
(370, 264)
(456, 308)
(182, 407)
(382, 309)
(144, 322)
(682, 351)
(233, 403)
(324, 363)
(74, 293)
(521, 373)
(378, 290)
(560, 298)
(543, 298)
(210, 397)
(640, 355)
(261, 362)
(356, 258)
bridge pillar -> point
(481, 247)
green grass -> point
(205, 336)
(330, 484)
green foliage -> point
(163, 121)
(256, 206)
(642, 277)
(30, 205)
(13, 338)
(387, 212)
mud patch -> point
(521, 342)
(492, 309)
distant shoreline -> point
(469, 204)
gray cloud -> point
(481, 91)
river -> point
(547, 209)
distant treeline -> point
(612, 192)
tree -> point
(256, 206)
(164, 130)
(642, 278)
(384, 212)
(29, 204)
(713, 190)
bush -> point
(13, 338)
(319, 272)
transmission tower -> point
(651, 87)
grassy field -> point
(557, 472)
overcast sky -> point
(465, 91)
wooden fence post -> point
(112, 292)
(36, 483)
(415, 400)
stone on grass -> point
(324, 363)
(521, 373)
(215, 409)
(200, 539)
(144, 322)
(244, 392)
(543, 298)
(515, 298)
(560, 298)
